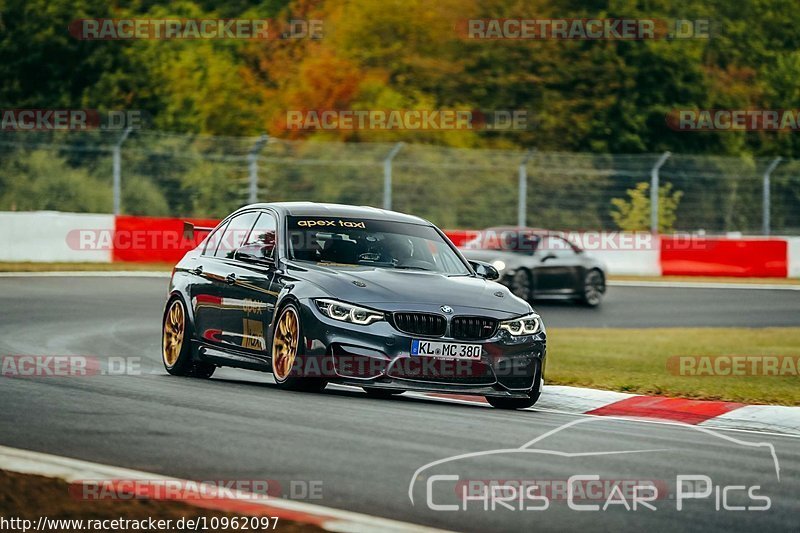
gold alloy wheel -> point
(172, 340)
(284, 345)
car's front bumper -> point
(379, 356)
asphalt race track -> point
(367, 453)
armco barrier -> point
(46, 236)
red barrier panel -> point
(757, 258)
(459, 236)
(153, 239)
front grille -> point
(472, 328)
(420, 323)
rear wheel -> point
(521, 284)
(594, 287)
(285, 346)
(176, 352)
(381, 393)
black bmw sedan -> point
(318, 293)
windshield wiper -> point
(406, 267)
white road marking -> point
(702, 285)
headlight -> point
(525, 325)
(348, 312)
(499, 265)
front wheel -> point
(285, 346)
(522, 285)
(594, 287)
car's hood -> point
(392, 290)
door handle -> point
(230, 279)
(197, 271)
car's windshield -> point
(507, 240)
(350, 241)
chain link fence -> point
(162, 174)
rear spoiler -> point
(189, 229)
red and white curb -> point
(75, 471)
(712, 414)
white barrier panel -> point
(49, 236)
(630, 262)
(793, 259)
(623, 253)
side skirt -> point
(232, 358)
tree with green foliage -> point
(633, 213)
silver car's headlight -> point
(348, 312)
(524, 325)
(499, 265)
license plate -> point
(450, 350)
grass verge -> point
(635, 361)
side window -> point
(235, 234)
(263, 234)
(556, 246)
(569, 248)
(212, 241)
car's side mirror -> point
(254, 253)
(485, 270)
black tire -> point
(593, 288)
(521, 284)
(283, 363)
(203, 370)
(515, 403)
(176, 349)
(383, 394)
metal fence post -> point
(765, 206)
(116, 185)
(252, 163)
(654, 185)
(522, 206)
(387, 175)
